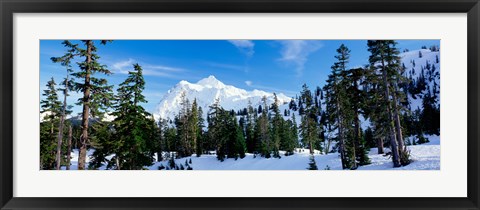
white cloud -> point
(245, 46)
(296, 52)
(248, 83)
(164, 68)
(123, 67)
(274, 90)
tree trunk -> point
(58, 156)
(398, 126)
(85, 114)
(60, 127)
(328, 145)
(356, 141)
(311, 147)
(380, 145)
(69, 147)
(117, 160)
(340, 138)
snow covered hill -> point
(424, 157)
(429, 63)
(206, 91)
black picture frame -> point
(9, 7)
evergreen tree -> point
(96, 92)
(194, 128)
(217, 131)
(250, 129)
(292, 105)
(430, 114)
(184, 131)
(235, 145)
(370, 142)
(335, 95)
(277, 123)
(312, 165)
(51, 107)
(134, 128)
(65, 61)
(308, 127)
(105, 144)
(289, 136)
(262, 132)
(384, 59)
(199, 132)
(356, 96)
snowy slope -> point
(206, 91)
(414, 64)
(424, 157)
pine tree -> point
(105, 144)
(96, 92)
(335, 95)
(430, 114)
(383, 59)
(240, 145)
(292, 105)
(356, 96)
(199, 132)
(184, 131)
(312, 165)
(161, 145)
(289, 137)
(263, 132)
(194, 128)
(51, 107)
(65, 61)
(396, 71)
(250, 128)
(276, 128)
(308, 127)
(134, 127)
(217, 130)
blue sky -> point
(270, 65)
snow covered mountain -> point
(206, 91)
(423, 61)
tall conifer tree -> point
(96, 92)
(51, 109)
(134, 127)
(65, 61)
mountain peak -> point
(206, 91)
(211, 81)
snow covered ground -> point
(425, 157)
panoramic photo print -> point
(239, 105)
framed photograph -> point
(239, 105)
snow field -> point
(424, 156)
